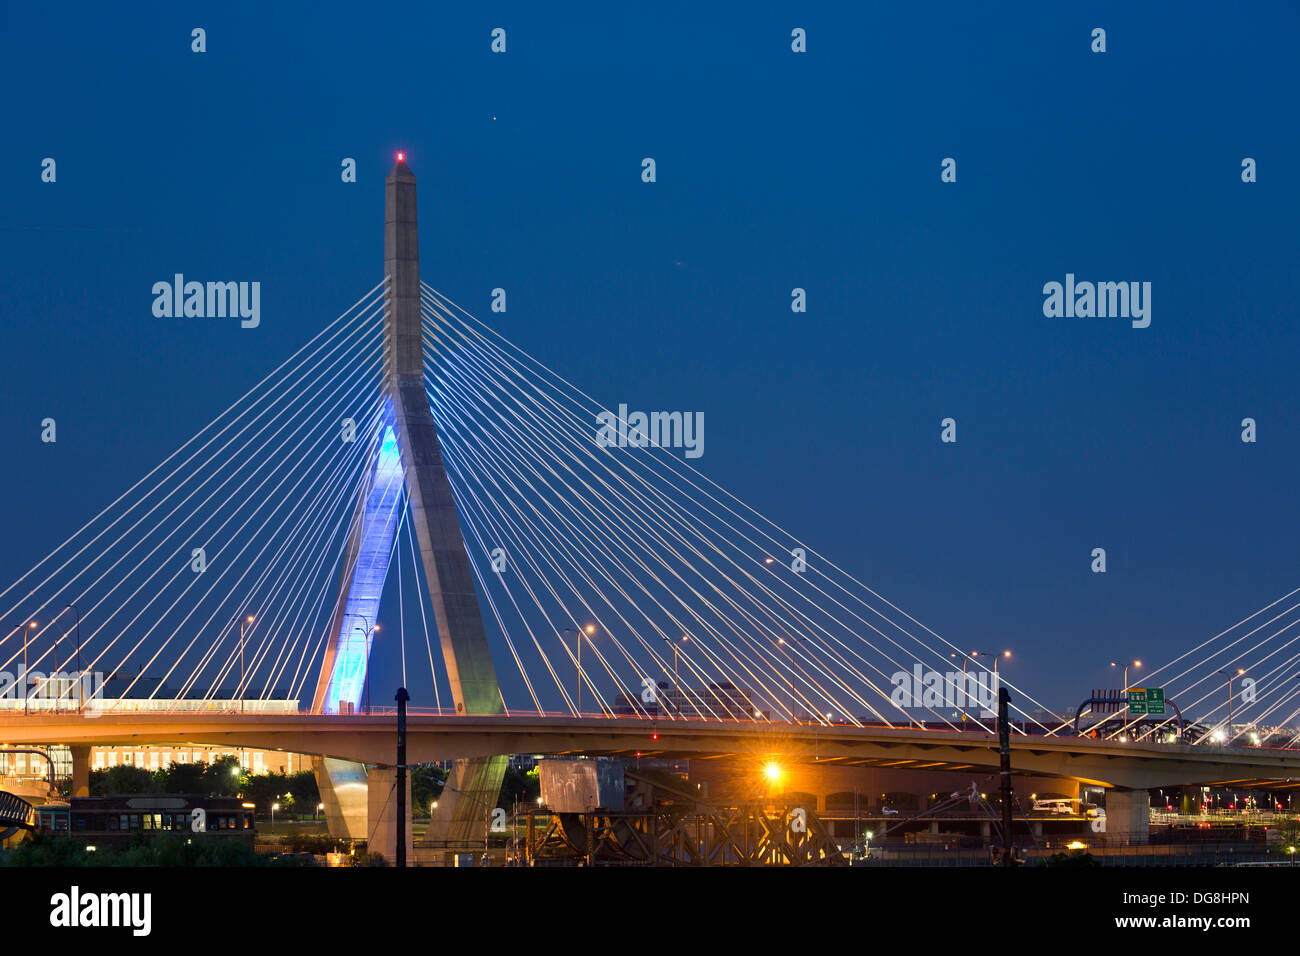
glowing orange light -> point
(400, 157)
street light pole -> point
(81, 683)
(1136, 664)
(963, 685)
(26, 694)
(1230, 675)
(589, 629)
(972, 656)
(789, 680)
(366, 634)
(677, 691)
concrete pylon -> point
(342, 785)
(410, 451)
(1128, 816)
(80, 770)
(381, 796)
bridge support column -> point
(80, 770)
(381, 814)
(1128, 816)
(342, 785)
(467, 801)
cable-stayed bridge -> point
(553, 579)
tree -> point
(1289, 831)
(124, 778)
(184, 778)
(426, 786)
(518, 785)
(306, 795)
(223, 777)
(266, 789)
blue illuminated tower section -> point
(379, 513)
(409, 458)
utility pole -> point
(402, 697)
(1004, 750)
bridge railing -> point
(16, 812)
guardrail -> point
(16, 812)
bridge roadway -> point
(371, 739)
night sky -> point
(775, 170)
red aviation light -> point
(401, 157)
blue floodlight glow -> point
(378, 525)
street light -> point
(1230, 675)
(992, 655)
(971, 656)
(30, 626)
(1135, 665)
(677, 693)
(964, 658)
(367, 633)
(240, 688)
(81, 684)
(589, 629)
(789, 680)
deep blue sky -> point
(775, 170)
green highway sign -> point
(1146, 700)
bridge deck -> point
(371, 739)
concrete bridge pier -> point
(381, 816)
(361, 804)
(343, 789)
(80, 770)
(1128, 816)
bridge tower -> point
(409, 456)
